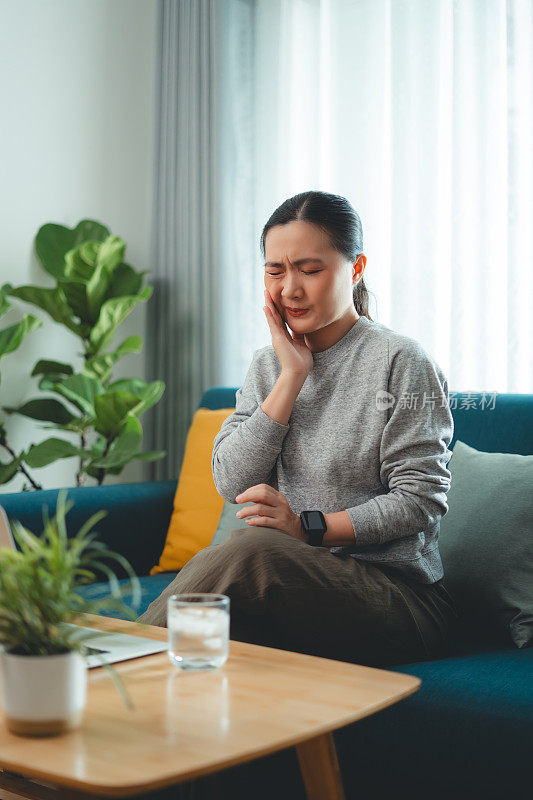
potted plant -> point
(95, 292)
(44, 670)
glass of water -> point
(198, 630)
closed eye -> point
(275, 274)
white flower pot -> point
(42, 695)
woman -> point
(343, 415)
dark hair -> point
(335, 216)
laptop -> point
(110, 647)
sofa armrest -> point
(136, 523)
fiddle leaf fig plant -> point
(96, 290)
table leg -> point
(320, 768)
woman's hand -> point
(291, 349)
(274, 510)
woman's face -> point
(324, 284)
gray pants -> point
(289, 595)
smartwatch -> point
(314, 525)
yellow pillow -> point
(197, 504)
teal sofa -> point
(467, 732)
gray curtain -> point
(182, 322)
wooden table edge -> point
(316, 752)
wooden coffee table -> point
(187, 724)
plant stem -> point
(101, 471)
(79, 477)
(21, 467)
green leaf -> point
(54, 241)
(133, 344)
(8, 470)
(5, 305)
(111, 408)
(77, 425)
(94, 472)
(52, 367)
(81, 390)
(96, 289)
(112, 313)
(89, 272)
(125, 446)
(147, 393)
(76, 296)
(11, 337)
(53, 301)
(150, 455)
(114, 470)
(125, 282)
(40, 455)
(47, 409)
(134, 385)
(100, 366)
(99, 445)
(80, 262)
(48, 382)
(111, 253)
(150, 397)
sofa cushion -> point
(197, 504)
(151, 587)
(486, 541)
(228, 521)
(466, 733)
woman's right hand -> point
(291, 349)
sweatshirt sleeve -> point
(249, 442)
(413, 453)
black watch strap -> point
(314, 525)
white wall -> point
(77, 91)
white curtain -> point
(420, 112)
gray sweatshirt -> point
(350, 446)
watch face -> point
(315, 520)
(314, 524)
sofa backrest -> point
(136, 524)
(495, 423)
